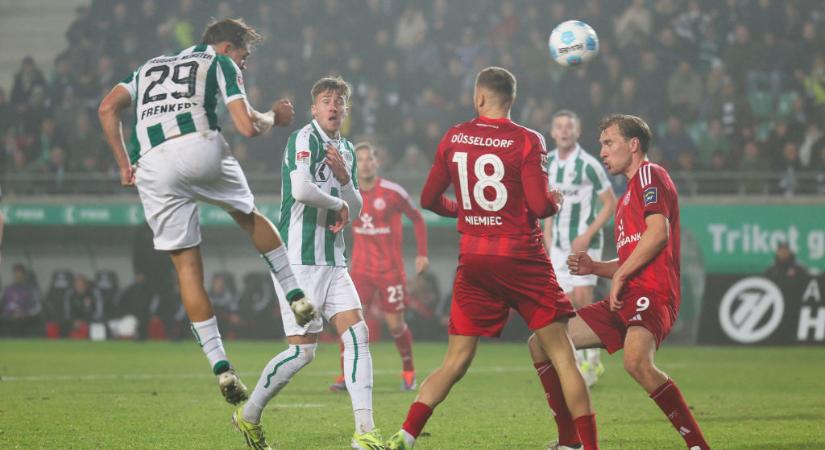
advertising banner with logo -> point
(755, 310)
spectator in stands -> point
(684, 90)
(785, 267)
(753, 165)
(20, 306)
(789, 167)
(635, 25)
(28, 78)
(81, 306)
(712, 143)
(676, 141)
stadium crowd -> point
(735, 86)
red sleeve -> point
(656, 191)
(432, 196)
(419, 227)
(534, 179)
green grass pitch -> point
(161, 395)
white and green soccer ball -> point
(573, 43)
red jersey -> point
(499, 177)
(650, 191)
(377, 233)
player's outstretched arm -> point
(116, 101)
(580, 263)
(251, 123)
(306, 192)
(422, 261)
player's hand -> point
(341, 219)
(580, 244)
(336, 163)
(127, 176)
(580, 263)
(303, 310)
(284, 112)
(558, 197)
(422, 263)
(615, 290)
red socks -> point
(672, 403)
(417, 418)
(403, 342)
(555, 398)
(586, 426)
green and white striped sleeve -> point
(130, 83)
(230, 80)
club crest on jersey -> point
(650, 195)
(379, 204)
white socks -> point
(275, 376)
(358, 375)
(278, 263)
(209, 338)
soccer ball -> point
(573, 42)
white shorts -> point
(329, 289)
(567, 281)
(172, 176)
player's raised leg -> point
(639, 350)
(460, 353)
(582, 337)
(189, 267)
(402, 336)
(358, 375)
(269, 244)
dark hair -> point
(567, 113)
(330, 83)
(500, 81)
(629, 127)
(234, 31)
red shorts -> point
(487, 286)
(391, 291)
(640, 309)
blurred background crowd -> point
(735, 89)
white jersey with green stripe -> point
(305, 229)
(581, 178)
(177, 94)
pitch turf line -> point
(203, 375)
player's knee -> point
(637, 366)
(306, 353)
(536, 351)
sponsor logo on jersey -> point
(366, 227)
(650, 195)
(379, 204)
(322, 173)
(461, 138)
(302, 157)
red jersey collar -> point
(491, 120)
